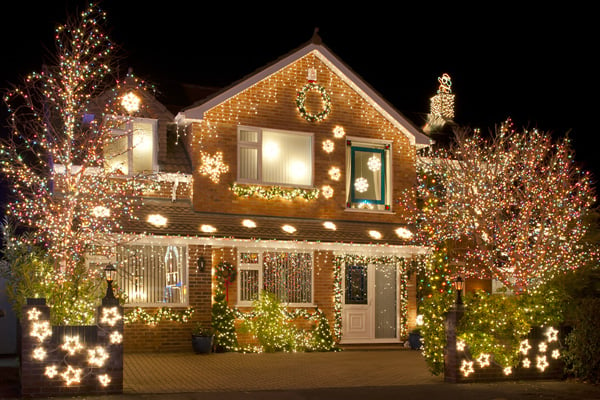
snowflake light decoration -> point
(374, 163)
(361, 185)
(213, 166)
(328, 146)
(130, 102)
(335, 173)
(338, 132)
(39, 353)
(327, 191)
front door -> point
(370, 309)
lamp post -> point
(459, 284)
(110, 272)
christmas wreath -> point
(302, 97)
(226, 271)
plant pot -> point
(202, 344)
(414, 339)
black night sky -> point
(533, 65)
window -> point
(275, 157)
(286, 274)
(131, 149)
(369, 175)
(152, 274)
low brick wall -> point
(70, 360)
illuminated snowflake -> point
(213, 166)
(374, 163)
(361, 185)
(552, 334)
(483, 360)
(130, 102)
(542, 363)
(335, 173)
(467, 368)
(524, 347)
(327, 191)
(339, 132)
(328, 146)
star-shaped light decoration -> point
(542, 363)
(552, 334)
(110, 316)
(460, 345)
(116, 337)
(51, 371)
(507, 370)
(72, 375)
(483, 360)
(524, 347)
(41, 330)
(34, 314)
(526, 363)
(556, 354)
(39, 353)
(361, 185)
(542, 347)
(213, 166)
(467, 368)
(71, 345)
(104, 379)
(97, 356)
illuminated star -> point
(483, 360)
(104, 379)
(542, 347)
(526, 363)
(51, 371)
(116, 337)
(39, 353)
(97, 356)
(71, 375)
(507, 370)
(110, 316)
(542, 363)
(555, 354)
(552, 334)
(460, 345)
(41, 330)
(467, 368)
(34, 314)
(71, 344)
(524, 347)
(213, 166)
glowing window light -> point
(361, 185)
(328, 146)
(33, 314)
(130, 102)
(524, 347)
(526, 363)
(403, 233)
(208, 228)
(375, 234)
(460, 345)
(41, 330)
(542, 347)
(298, 170)
(39, 353)
(483, 360)
(71, 345)
(116, 337)
(338, 132)
(327, 191)
(100, 212)
(156, 220)
(288, 228)
(97, 356)
(110, 316)
(374, 163)
(542, 363)
(552, 334)
(248, 223)
(507, 371)
(329, 225)
(335, 173)
(556, 354)
(72, 375)
(51, 371)
(104, 379)
(271, 150)
(466, 368)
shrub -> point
(582, 356)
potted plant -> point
(202, 338)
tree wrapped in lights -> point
(511, 207)
(60, 191)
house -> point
(299, 175)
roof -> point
(197, 111)
(183, 221)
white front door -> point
(370, 303)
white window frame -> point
(258, 146)
(260, 268)
(129, 121)
(386, 206)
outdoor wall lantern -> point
(110, 273)
(200, 263)
(459, 284)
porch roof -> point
(181, 220)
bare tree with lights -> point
(510, 207)
(61, 193)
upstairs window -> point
(369, 175)
(275, 157)
(131, 149)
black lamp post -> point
(111, 273)
(459, 284)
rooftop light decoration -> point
(329, 225)
(248, 223)
(288, 228)
(156, 220)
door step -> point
(373, 346)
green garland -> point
(300, 99)
(162, 314)
(271, 192)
